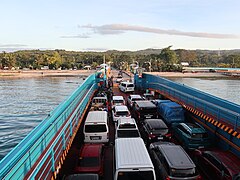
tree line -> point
(151, 59)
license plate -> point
(95, 137)
(148, 116)
(160, 138)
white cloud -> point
(12, 45)
(111, 29)
(83, 36)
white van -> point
(96, 127)
(132, 160)
(126, 87)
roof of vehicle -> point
(96, 117)
(127, 82)
(147, 104)
(147, 94)
(176, 156)
(156, 123)
(171, 104)
(117, 98)
(126, 121)
(228, 159)
(121, 108)
(100, 97)
(135, 96)
(193, 128)
(90, 150)
(131, 153)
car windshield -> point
(88, 161)
(127, 133)
(122, 113)
(199, 135)
(160, 131)
(139, 175)
(117, 101)
(137, 99)
(126, 126)
(100, 101)
(152, 110)
(130, 85)
(183, 172)
(95, 128)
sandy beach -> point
(44, 73)
(85, 73)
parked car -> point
(118, 100)
(120, 111)
(144, 110)
(154, 130)
(126, 128)
(218, 164)
(191, 135)
(119, 79)
(132, 98)
(148, 96)
(126, 87)
(91, 159)
(100, 103)
(172, 162)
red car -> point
(91, 159)
(218, 164)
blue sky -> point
(119, 24)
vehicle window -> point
(88, 161)
(148, 110)
(183, 129)
(199, 135)
(130, 85)
(213, 160)
(122, 113)
(136, 99)
(183, 172)
(160, 131)
(117, 101)
(141, 175)
(95, 128)
(126, 126)
(165, 164)
(127, 133)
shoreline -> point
(44, 73)
(85, 73)
(189, 75)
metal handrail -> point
(20, 153)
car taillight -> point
(168, 135)
(107, 135)
(199, 177)
(116, 115)
(151, 136)
(128, 114)
(168, 178)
